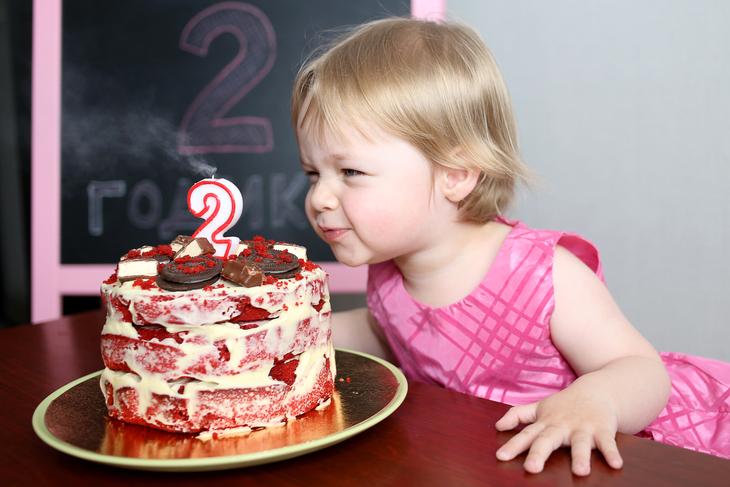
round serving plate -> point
(74, 420)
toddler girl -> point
(406, 131)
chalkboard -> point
(158, 94)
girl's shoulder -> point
(525, 239)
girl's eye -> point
(351, 172)
(312, 175)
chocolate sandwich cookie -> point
(275, 263)
(162, 254)
(189, 273)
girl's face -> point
(371, 200)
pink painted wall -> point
(49, 279)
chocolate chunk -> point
(243, 273)
(197, 272)
(195, 247)
(179, 241)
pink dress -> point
(496, 344)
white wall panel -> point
(624, 109)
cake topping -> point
(179, 241)
(243, 272)
(195, 247)
(132, 268)
(187, 273)
(298, 250)
(188, 264)
(276, 263)
(145, 284)
(161, 253)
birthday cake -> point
(194, 342)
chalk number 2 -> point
(204, 128)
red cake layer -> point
(185, 354)
(220, 409)
(158, 310)
(217, 304)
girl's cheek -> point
(308, 207)
(373, 210)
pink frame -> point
(50, 280)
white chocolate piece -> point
(241, 247)
(130, 269)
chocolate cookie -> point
(188, 273)
(275, 263)
(162, 253)
(183, 286)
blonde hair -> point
(435, 85)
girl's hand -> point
(567, 418)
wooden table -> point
(436, 437)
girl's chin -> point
(348, 258)
(349, 262)
(356, 253)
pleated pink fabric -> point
(496, 344)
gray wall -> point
(624, 109)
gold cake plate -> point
(74, 420)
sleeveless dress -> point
(496, 344)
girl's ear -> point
(458, 183)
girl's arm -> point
(622, 384)
(359, 330)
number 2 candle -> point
(220, 203)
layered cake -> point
(194, 342)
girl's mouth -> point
(332, 234)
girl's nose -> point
(322, 198)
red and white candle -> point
(220, 203)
